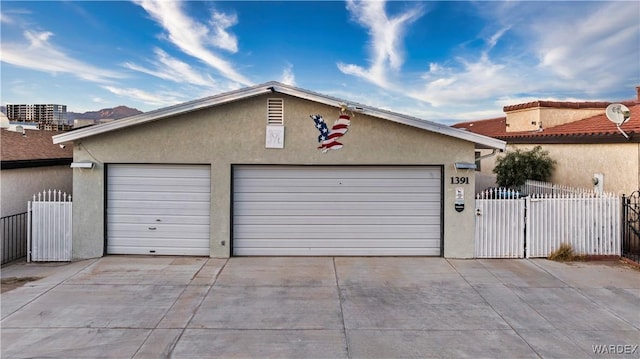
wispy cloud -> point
(192, 37)
(591, 51)
(162, 99)
(386, 52)
(221, 38)
(169, 68)
(288, 77)
(38, 53)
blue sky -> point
(441, 61)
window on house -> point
(478, 154)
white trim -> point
(271, 87)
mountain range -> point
(106, 113)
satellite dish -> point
(618, 113)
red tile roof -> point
(556, 104)
(493, 127)
(36, 145)
(595, 126)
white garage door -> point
(336, 210)
(158, 209)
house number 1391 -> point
(459, 180)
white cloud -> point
(592, 51)
(192, 37)
(38, 47)
(223, 39)
(169, 68)
(161, 99)
(288, 76)
(386, 52)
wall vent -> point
(275, 111)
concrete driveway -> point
(284, 307)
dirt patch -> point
(12, 283)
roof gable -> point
(276, 87)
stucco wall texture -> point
(577, 164)
(235, 133)
(18, 185)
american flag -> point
(328, 139)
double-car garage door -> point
(337, 210)
(278, 210)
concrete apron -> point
(323, 307)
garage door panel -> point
(336, 208)
(346, 197)
(144, 182)
(294, 219)
(153, 219)
(332, 172)
(343, 189)
(161, 230)
(159, 250)
(340, 243)
(177, 207)
(322, 236)
(158, 209)
(163, 171)
(333, 229)
(160, 197)
(298, 251)
(256, 183)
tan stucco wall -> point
(529, 119)
(235, 134)
(17, 186)
(577, 163)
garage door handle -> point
(152, 228)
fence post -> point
(29, 231)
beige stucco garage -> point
(241, 174)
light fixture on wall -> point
(464, 166)
(82, 164)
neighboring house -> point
(30, 163)
(578, 135)
(240, 173)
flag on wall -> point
(328, 139)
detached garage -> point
(273, 170)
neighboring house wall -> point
(235, 134)
(531, 119)
(577, 164)
(18, 185)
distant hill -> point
(106, 113)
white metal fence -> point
(535, 226)
(500, 221)
(49, 229)
(590, 224)
(540, 187)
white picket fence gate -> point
(49, 227)
(535, 226)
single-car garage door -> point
(337, 210)
(158, 209)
